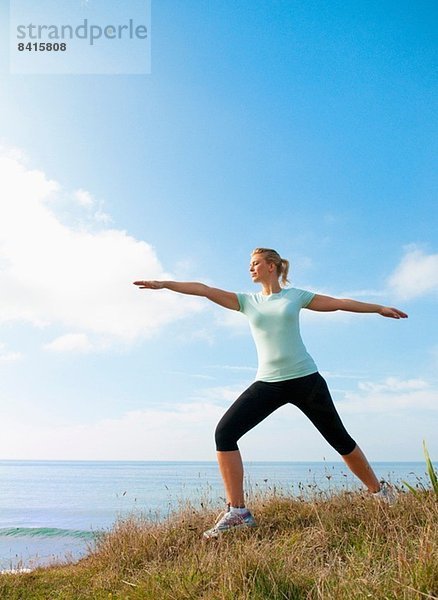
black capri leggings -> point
(309, 393)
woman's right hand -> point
(150, 285)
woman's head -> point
(272, 257)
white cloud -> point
(8, 356)
(392, 384)
(336, 375)
(390, 396)
(184, 431)
(102, 217)
(233, 368)
(55, 273)
(70, 342)
(226, 393)
(233, 320)
(84, 198)
(204, 335)
(185, 267)
(416, 275)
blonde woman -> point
(286, 374)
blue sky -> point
(309, 127)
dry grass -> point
(347, 546)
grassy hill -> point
(346, 546)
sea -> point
(54, 511)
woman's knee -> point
(224, 438)
(345, 446)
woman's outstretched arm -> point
(327, 303)
(221, 297)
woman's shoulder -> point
(296, 291)
(299, 295)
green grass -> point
(347, 546)
(430, 471)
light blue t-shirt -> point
(274, 323)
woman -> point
(286, 374)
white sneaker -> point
(230, 520)
(386, 494)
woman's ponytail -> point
(284, 271)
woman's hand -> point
(393, 313)
(150, 285)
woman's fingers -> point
(394, 313)
(152, 285)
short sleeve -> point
(243, 301)
(305, 297)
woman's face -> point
(259, 269)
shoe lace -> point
(220, 516)
(227, 515)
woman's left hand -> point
(393, 313)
